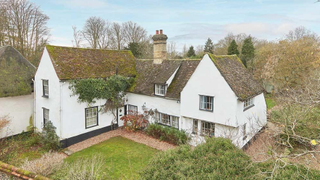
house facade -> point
(16, 91)
(214, 96)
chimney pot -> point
(157, 31)
(160, 31)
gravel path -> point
(4, 176)
(134, 136)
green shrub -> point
(49, 139)
(168, 134)
(218, 158)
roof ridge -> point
(122, 50)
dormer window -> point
(248, 104)
(160, 89)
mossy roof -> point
(149, 74)
(16, 73)
(237, 76)
(83, 63)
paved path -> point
(134, 136)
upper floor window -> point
(160, 89)
(91, 117)
(45, 88)
(248, 104)
(206, 103)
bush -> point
(168, 134)
(89, 168)
(50, 140)
(134, 121)
(218, 158)
(46, 165)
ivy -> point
(111, 89)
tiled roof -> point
(16, 73)
(237, 76)
(149, 74)
(82, 63)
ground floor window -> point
(45, 116)
(166, 119)
(132, 109)
(207, 129)
(195, 126)
(91, 116)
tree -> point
(96, 32)
(172, 50)
(301, 32)
(133, 32)
(118, 36)
(77, 38)
(135, 48)
(23, 26)
(208, 48)
(191, 52)
(233, 48)
(247, 52)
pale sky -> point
(188, 22)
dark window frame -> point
(208, 110)
(85, 115)
(44, 94)
(44, 117)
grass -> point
(14, 150)
(270, 100)
(123, 158)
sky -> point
(189, 22)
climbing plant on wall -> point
(111, 89)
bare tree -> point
(117, 31)
(23, 26)
(96, 32)
(301, 32)
(133, 32)
(172, 50)
(200, 50)
(77, 37)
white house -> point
(214, 96)
(16, 91)
(54, 101)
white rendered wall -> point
(18, 109)
(167, 106)
(73, 114)
(207, 80)
(46, 71)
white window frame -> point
(167, 120)
(132, 109)
(248, 104)
(176, 119)
(45, 88)
(206, 103)
(160, 89)
(207, 128)
(91, 117)
(45, 114)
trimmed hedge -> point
(168, 134)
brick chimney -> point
(159, 47)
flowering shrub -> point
(134, 121)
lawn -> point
(123, 158)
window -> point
(45, 116)
(160, 89)
(91, 117)
(206, 103)
(207, 129)
(45, 88)
(165, 119)
(195, 127)
(174, 121)
(248, 104)
(132, 109)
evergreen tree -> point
(233, 48)
(208, 48)
(247, 52)
(191, 52)
(135, 48)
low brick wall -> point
(20, 173)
